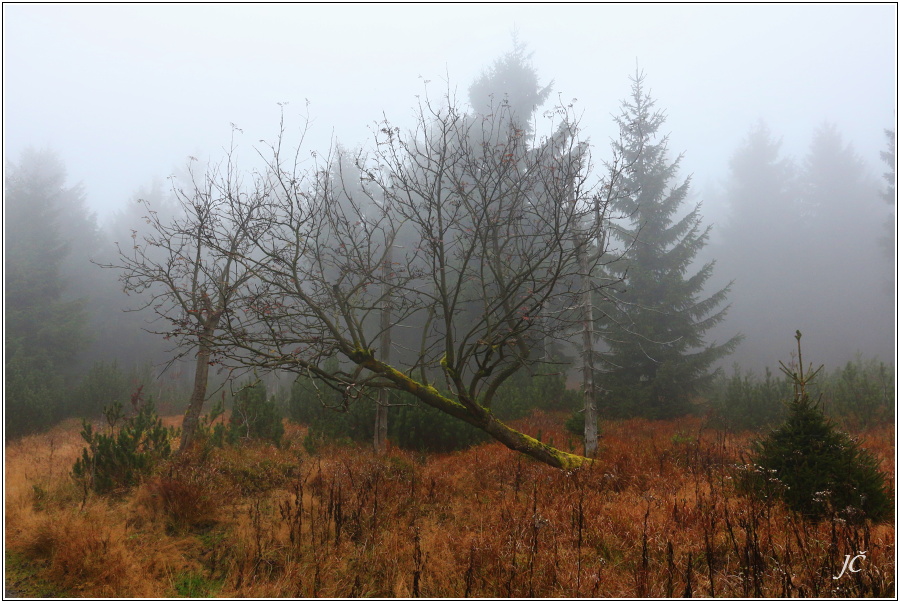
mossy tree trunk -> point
(473, 414)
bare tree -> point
(186, 267)
(496, 216)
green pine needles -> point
(120, 458)
(657, 359)
(254, 416)
(817, 470)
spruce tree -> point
(505, 100)
(820, 470)
(511, 81)
(657, 359)
(761, 193)
(840, 212)
(44, 324)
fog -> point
(124, 94)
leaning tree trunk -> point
(381, 406)
(472, 414)
(198, 394)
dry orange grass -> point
(35, 474)
(654, 516)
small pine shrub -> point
(819, 471)
(254, 416)
(120, 458)
(575, 423)
(211, 433)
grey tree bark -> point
(587, 309)
(381, 407)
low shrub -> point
(254, 416)
(123, 456)
(816, 469)
(80, 552)
(182, 501)
(575, 423)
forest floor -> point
(657, 515)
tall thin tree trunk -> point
(587, 309)
(198, 394)
(381, 407)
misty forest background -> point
(808, 244)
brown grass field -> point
(655, 516)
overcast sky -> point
(124, 93)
